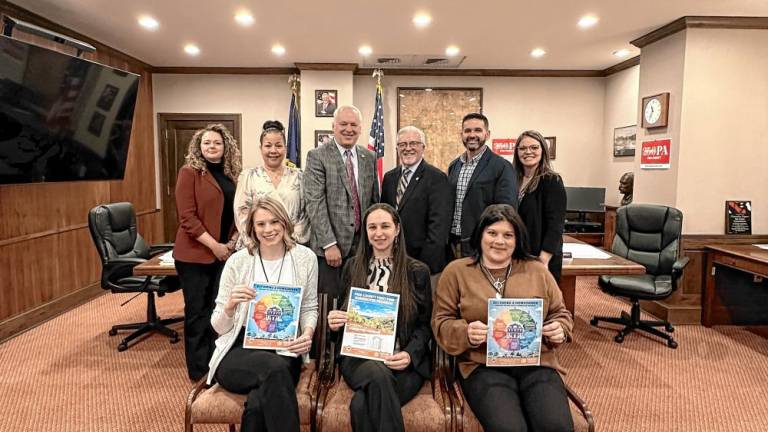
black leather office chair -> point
(650, 235)
(121, 248)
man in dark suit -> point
(339, 185)
(422, 197)
(478, 178)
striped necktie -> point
(403, 184)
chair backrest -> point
(113, 229)
(648, 234)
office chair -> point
(649, 235)
(121, 248)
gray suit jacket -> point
(329, 197)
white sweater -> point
(238, 270)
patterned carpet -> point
(66, 375)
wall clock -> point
(655, 110)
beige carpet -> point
(66, 375)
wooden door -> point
(176, 130)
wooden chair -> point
(217, 405)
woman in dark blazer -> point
(205, 191)
(382, 264)
(542, 200)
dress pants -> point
(200, 284)
(379, 393)
(329, 278)
(269, 380)
(519, 399)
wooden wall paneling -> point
(150, 226)
(79, 264)
(29, 274)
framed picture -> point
(323, 137)
(96, 123)
(107, 97)
(624, 141)
(325, 102)
(551, 146)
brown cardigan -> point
(462, 297)
(199, 205)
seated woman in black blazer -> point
(381, 264)
(542, 200)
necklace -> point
(497, 284)
(279, 274)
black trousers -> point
(379, 393)
(269, 380)
(200, 284)
(329, 278)
(518, 399)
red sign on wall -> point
(655, 154)
(503, 146)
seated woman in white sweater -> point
(267, 378)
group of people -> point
(488, 228)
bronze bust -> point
(626, 185)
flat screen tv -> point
(62, 118)
(585, 199)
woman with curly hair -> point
(205, 191)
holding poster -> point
(273, 316)
(371, 324)
(514, 332)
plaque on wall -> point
(738, 217)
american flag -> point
(376, 139)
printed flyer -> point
(371, 324)
(273, 316)
(514, 332)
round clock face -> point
(652, 111)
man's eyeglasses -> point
(409, 144)
(533, 148)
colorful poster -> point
(371, 324)
(503, 146)
(655, 154)
(273, 316)
(514, 332)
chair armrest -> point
(160, 248)
(678, 266)
(582, 406)
(193, 394)
(119, 268)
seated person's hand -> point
(336, 319)
(301, 344)
(554, 332)
(333, 256)
(477, 333)
(398, 361)
(239, 294)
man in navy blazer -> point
(423, 199)
(478, 178)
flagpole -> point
(294, 123)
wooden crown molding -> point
(716, 22)
(327, 66)
(626, 64)
(224, 70)
(486, 72)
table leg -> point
(568, 287)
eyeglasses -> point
(409, 144)
(533, 148)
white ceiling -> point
(491, 33)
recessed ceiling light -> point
(365, 50)
(621, 53)
(244, 18)
(422, 20)
(148, 22)
(452, 50)
(191, 49)
(537, 52)
(278, 49)
(588, 21)
(427, 89)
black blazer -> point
(493, 182)
(425, 212)
(415, 335)
(543, 212)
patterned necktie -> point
(353, 186)
(402, 185)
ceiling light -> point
(278, 49)
(365, 50)
(148, 22)
(191, 49)
(427, 89)
(452, 50)
(422, 20)
(621, 53)
(537, 52)
(244, 18)
(588, 21)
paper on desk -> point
(166, 259)
(761, 245)
(579, 250)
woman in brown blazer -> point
(205, 191)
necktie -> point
(402, 185)
(353, 186)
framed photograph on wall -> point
(325, 102)
(323, 137)
(551, 146)
(624, 139)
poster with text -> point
(273, 316)
(738, 217)
(655, 154)
(371, 324)
(514, 332)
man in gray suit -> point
(339, 185)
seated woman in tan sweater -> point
(503, 398)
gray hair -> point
(347, 107)
(406, 129)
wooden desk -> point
(615, 265)
(746, 258)
(153, 268)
